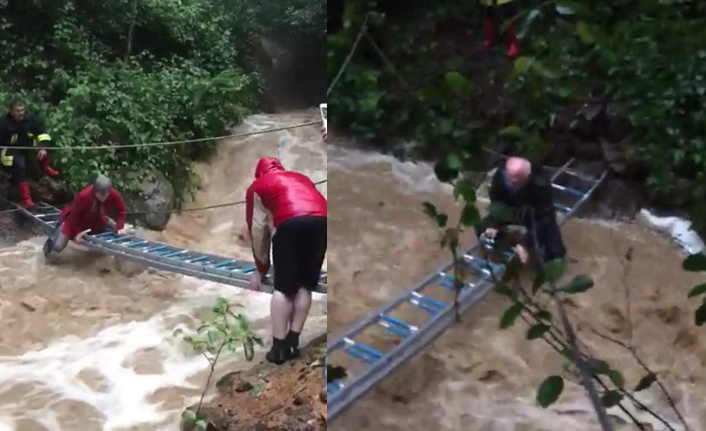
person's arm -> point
(259, 230)
(37, 129)
(120, 209)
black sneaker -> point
(277, 356)
(293, 345)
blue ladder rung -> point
(104, 235)
(569, 190)
(447, 281)
(222, 264)
(362, 352)
(397, 326)
(198, 259)
(331, 388)
(188, 257)
(156, 248)
(171, 254)
(481, 265)
(561, 207)
(248, 270)
(426, 303)
(119, 239)
(136, 243)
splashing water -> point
(477, 377)
(88, 342)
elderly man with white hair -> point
(528, 193)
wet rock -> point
(323, 396)
(238, 381)
(622, 158)
(155, 201)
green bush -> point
(644, 58)
(138, 71)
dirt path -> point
(268, 398)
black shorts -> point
(298, 253)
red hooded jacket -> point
(274, 197)
(87, 212)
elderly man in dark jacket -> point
(528, 194)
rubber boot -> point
(513, 45)
(25, 195)
(279, 353)
(44, 166)
(293, 344)
(489, 33)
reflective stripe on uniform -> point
(44, 137)
(5, 159)
(494, 2)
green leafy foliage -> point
(645, 382)
(611, 398)
(103, 73)
(550, 390)
(510, 315)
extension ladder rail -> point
(378, 364)
(167, 257)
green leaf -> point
(334, 373)
(543, 315)
(554, 270)
(700, 314)
(458, 84)
(695, 263)
(512, 132)
(617, 378)
(463, 189)
(698, 290)
(220, 306)
(585, 33)
(201, 425)
(510, 316)
(430, 210)
(645, 382)
(550, 390)
(443, 172)
(189, 415)
(536, 331)
(441, 220)
(470, 215)
(611, 399)
(538, 282)
(523, 64)
(505, 291)
(453, 161)
(580, 284)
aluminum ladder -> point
(403, 339)
(166, 257)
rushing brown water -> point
(477, 377)
(87, 343)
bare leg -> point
(281, 311)
(302, 305)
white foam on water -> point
(57, 367)
(678, 229)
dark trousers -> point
(23, 163)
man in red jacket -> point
(89, 212)
(286, 208)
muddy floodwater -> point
(477, 377)
(86, 343)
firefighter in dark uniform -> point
(18, 129)
(497, 13)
